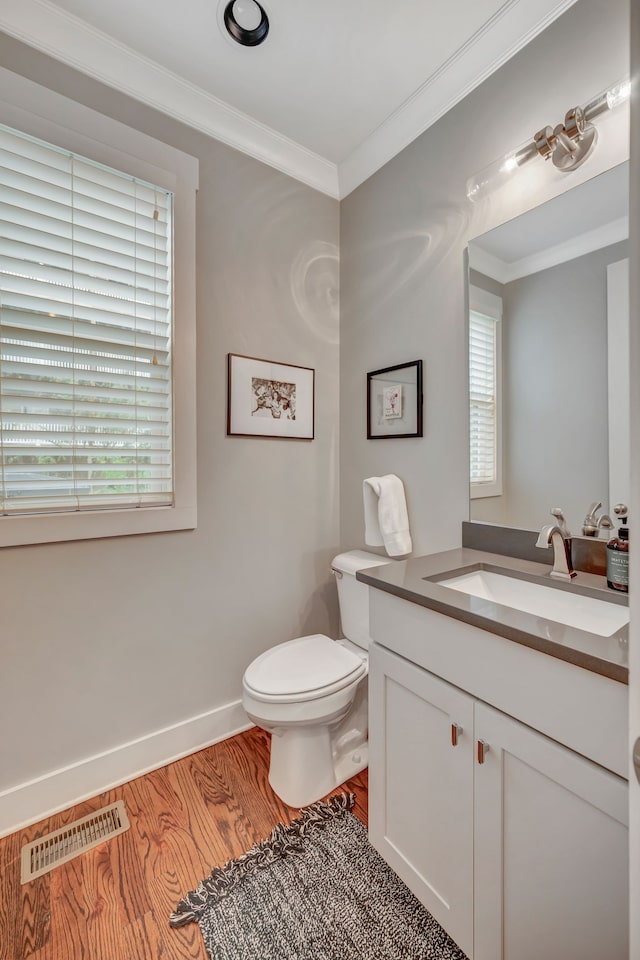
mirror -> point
(560, 275)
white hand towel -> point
(386, 521)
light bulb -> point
(618, 94)
(609, 99)
(247, 14)
(499, 171)
(246, 21)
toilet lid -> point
(303, 666)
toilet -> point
(311, 695)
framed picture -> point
(394, 401)
(268, 399)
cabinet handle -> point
(456, 731)
(483, 749)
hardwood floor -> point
(113, 902)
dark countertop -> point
(416, 580)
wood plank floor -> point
(113, 902)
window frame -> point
(489, 305)
(49, 116)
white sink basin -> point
(562, 606)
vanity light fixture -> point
(567, 145)
(246, 21)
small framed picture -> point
(269, 399)
(394, 401)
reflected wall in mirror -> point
(559, 275)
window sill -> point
(481, 491)
(50, 528)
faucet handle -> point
(593, 524)
(590, 523)
(591, 512)
(562, 523)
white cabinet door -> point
(421, 787)
(550, 849)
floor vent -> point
(50, 851)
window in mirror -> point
(553, 268)
(485, 420)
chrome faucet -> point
(562, 565)
(592, 524)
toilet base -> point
(351, 764)
(303, 767)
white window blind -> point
(483, 426)
(85, 334)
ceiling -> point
(337, 89)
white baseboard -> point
(36, 799)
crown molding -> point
(40, 24)
(69, 39)
(497, 269)
(512, 27)
(487, 264)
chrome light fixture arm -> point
(567, 145)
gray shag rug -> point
(314, 890)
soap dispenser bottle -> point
(618, 554)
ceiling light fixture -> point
(567, 145)
(246, 21)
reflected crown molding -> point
(492, 266)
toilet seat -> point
(306, 668)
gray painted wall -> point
(187, 611)
(555, 402)
(403, 237)
(112, 639)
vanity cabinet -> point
(516, 844)
(421, 787)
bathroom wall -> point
(403, 239)
(103, 642)
(555, 396)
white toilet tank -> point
(353, 596)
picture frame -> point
(394, 401)
(266, 398)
